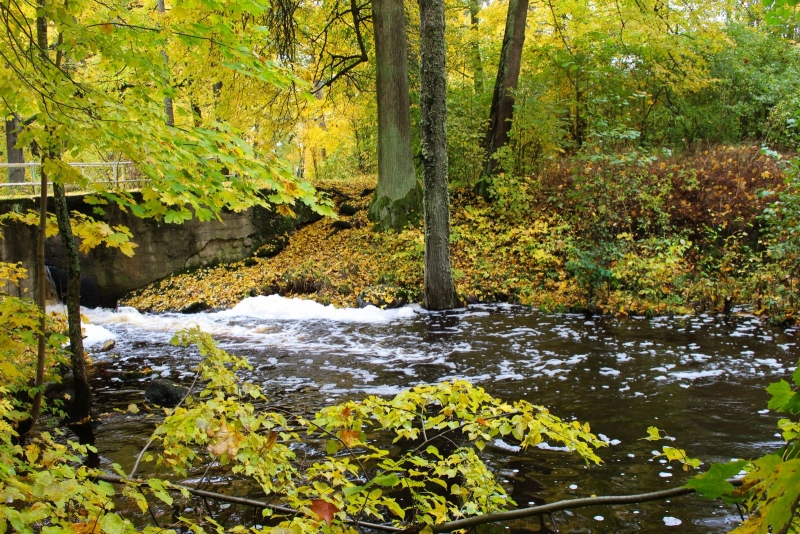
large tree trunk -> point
(439, 290)
(502, 110)
(15, 155)
(398, 198)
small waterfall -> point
(53, 294)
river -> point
(701, 379)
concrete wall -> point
(163, 248)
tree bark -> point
(439, 288)
(397, 201)
(81, 405)
(15, 155)
(502, 110)
(475, 53)
(79, 411)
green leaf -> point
(112, 524)
(386, 481)
(783, 398)
(773, 488)
(353, 490)
(653, 434)
(332, 446)
(713, 483)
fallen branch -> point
(567, 504)
(115, 479)
(461, 524)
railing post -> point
(33, 178)
(116, 176)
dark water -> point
(700, 379)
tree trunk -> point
(41, 301)
(477, 63)
(79, 411)
(398, 198)
(168, 110)
(15, 155)
(81, 406)
(439, 290)
(502, 110)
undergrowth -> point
(626, 234)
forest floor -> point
(658, 235)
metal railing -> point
(119, 175)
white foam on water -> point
(96, 335)
(672, 521)
(271, 320)
(275, 307)
(547, 447)
(502, 445)
(694, 375)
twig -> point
(152, 439)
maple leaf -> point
(227, 442)
(324, 510)
(350, 437)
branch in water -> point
(461, 524)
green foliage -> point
(754, 95)
(356, 475)
(440, 430)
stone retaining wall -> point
(162, 248)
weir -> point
(163, 249)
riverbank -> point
(623, 235)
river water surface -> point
(701, 379)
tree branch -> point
(461, 524)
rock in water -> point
(107, 346)
(165, 393)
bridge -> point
(24, 179)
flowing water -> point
(701, 379)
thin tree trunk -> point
(15, 155)
(477, 63)
(168, 109)
(398, 198)
(41, 301)
(502, 110)
(80, 409)
(439, 288)
(82, 402)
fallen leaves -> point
(514, 252)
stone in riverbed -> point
(166, 393)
